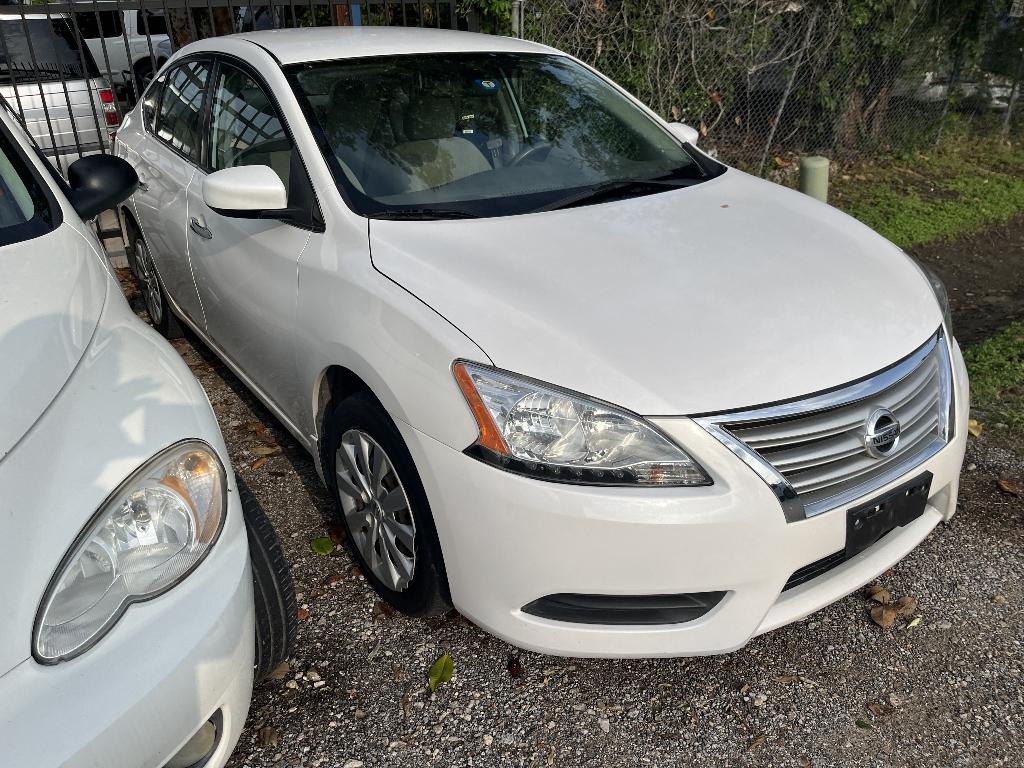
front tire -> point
(273, 588)
(157, 306)
(384, 508)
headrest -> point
(430, 117)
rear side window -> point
(152, 24)
(44, 45)
(180, 114)
(24, 209)
(100, 24)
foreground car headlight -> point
(151, 533)
(543, 431)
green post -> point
(814, 177)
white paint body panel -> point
(109, 394)
(726, 295)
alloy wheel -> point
(376, 509)
(150, 283)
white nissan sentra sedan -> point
(130, 626)
(560, 369)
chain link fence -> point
(762, 79)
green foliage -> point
(996, 369)
(495, 15)
(941, 194)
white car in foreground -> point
(130, 628)
(560, 369)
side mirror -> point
(99, 182)
(246, 192)
(684, 133)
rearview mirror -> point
(246, 192)
(99, 182)
(684, 133)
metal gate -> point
(71, 70)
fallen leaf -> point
(914, 622)
(864, 724)
(382, 609)
(873, 589)
(757, 742)
(787, 679)
(441, 671)
(804, 761)
(877, 708)
(258, 463)
(266, 450)
(515, 666)
(337, 534)
(268, 736)
(302, 614)
(884, 616)
(1009, 486)
(354, 572)
(322, 545)
(906, 606)
(883, 596)
(975, 427)
(331, 579)
(281, 671)
(251, 426)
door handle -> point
(199, 228)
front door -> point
(246, 269)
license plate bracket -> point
(869, 522)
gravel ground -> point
(943, 687)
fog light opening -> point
(198, 750)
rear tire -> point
(361, 423)
(157, 306)
(273, 589)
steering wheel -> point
(530, 152)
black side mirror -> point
(100, 182)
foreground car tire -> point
(157, 306)
(273, 589)
(384, 508)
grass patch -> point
(937, 195)
(996, 368)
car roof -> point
(294, 46)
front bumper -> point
(510, 540)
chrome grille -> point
(812, 452)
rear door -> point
(167, 160)
(246, 268)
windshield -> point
(483, 134)
(24, 209)
(35, 50)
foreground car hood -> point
(733, 293)
(52, 290)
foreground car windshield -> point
(482, 134)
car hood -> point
(52, 290)
(733, 293)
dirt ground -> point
(984, 275)
(942, 688)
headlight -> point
(151, 533)
(941, 296)
(546, 432)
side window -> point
(180, 114)
(244, 126)
(95, 24)
(150, 23)
(151, 100)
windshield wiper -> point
(424, 214)
(621, 187)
